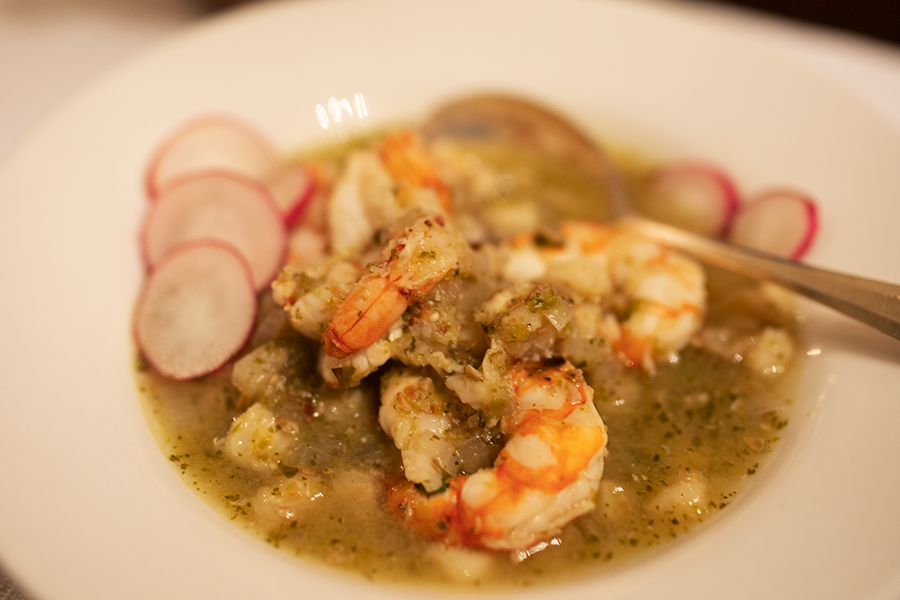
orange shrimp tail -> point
(589, 235)
(639, 350)
(633, 350)
(334, 346)
(366, 314)
(405, 158)
(436, 517)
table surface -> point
(49, 49)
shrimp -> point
(349, 371)
(405, 158)
(312, 295)
(289, 500)
(363, 184)
(574, 257)
(259, 439)
(664, 299)
(547, 474)
(659, 295)
(429, 428)
(379, 186)
(413, 262)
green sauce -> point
(707, 420)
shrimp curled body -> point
(546, 475)
(412, 264)
(658, 294)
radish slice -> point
(211, 142)
(222, 206)
(196, 310)
(292, 186)
(693, 196)
(781, 222)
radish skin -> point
(208, 142)
(223, 206)
(196, 311)
(694, 196)
(292, 186)
(783, 222)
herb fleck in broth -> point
(684, 440)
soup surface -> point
(452, 314)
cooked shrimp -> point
(546, 475)
(659, 294)
(312, 295)
(431, 433)
(258, 373)
(414, 415)
(363, 183)
(259, 439)
(405, 158)
(349, 371)
(380, 185)
(412, 264)
(291, 499)
(664, 298)
(575, 258)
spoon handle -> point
(875, 303)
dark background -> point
(879, 19)
(874, 18)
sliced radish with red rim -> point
(222, 206)
(292, 186)
(693, 196)
(782, 222)
(196, 311)
(211, 142)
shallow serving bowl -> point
(91, 509)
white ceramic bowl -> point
(91, 509)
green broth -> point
(705, 417)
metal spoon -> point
(513, 120)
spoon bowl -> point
(513, 120)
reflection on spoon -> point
(517, 121)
